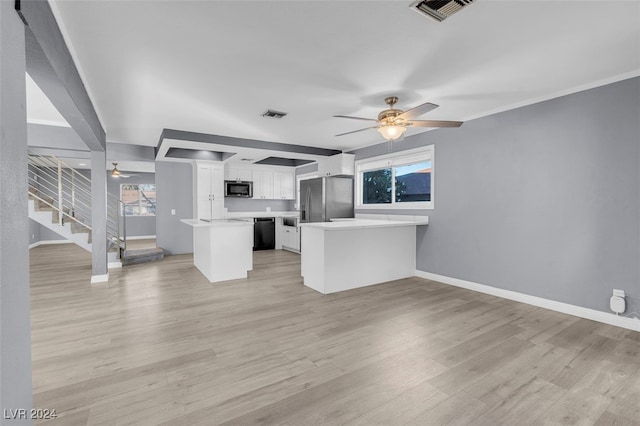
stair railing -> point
(117, 223)
(68, 192)
(59, 186)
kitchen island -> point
(222, 249)
(353, 253)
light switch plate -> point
(173, 212)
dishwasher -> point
(264, 233)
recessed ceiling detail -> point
(177, 145)
(274, 114)
(439, 9)
(279, 161)
(242, 143)
(198, 154)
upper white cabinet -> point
(238, 174)
(262, 184)
(337, 165)
(209, 183)
(283, 185)
(269, 182)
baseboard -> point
(99, 278)
(565, 308)
(114, 265)
(47, 242)
(141, 237)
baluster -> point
(60, 205)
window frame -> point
(123, 209)
(396, 159)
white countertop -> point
(215, 223)
(341, 224)
(232, 215)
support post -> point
(99, 264)
(15, 326)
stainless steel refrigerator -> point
(326, 198)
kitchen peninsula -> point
(352, 253)
(222, 249)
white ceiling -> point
(40, 110)
(215, 66)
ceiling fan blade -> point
(434, 123)
(418, 111)
(355, 118)
(356, 131)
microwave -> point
(238, 189)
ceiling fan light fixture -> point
(115, 172)
(391, 133)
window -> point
(138, 199)
(396, 181)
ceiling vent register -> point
(273, 114)
(439, 9)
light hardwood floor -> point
(158, 344)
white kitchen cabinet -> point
(262, 184)
(287, 237)
(238, 174)
(209, 183)
(269, 182)
(290, 238)
(283, 185)
(337, 165)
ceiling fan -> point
(117, 173)
(392, 122)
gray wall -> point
(38, 233)
(136, 225)
(34, 231)
(47, 234)
(542, 200)
(250, 205)
(174, 190)
(309, 168)
(58, 137)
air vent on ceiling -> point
(273, 114)
(439, 9)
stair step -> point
(133, 257)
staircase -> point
(49, 217)
(60, 200)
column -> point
(99, 271)
(15, 328)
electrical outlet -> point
(619, 293)
(173, 212)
